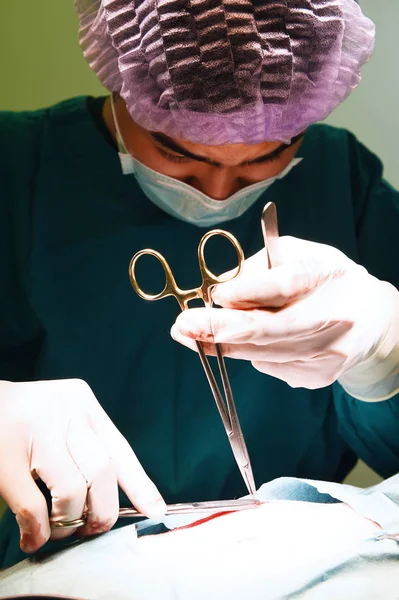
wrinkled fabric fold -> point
(304, 561)
(227, 71)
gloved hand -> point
(316, 318)
(57, 430)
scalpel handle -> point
(270, 234)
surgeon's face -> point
(218, 171)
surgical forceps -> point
(226, 407)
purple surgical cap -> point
(227, 71)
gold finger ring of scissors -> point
(226, 405)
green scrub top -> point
(70, 222)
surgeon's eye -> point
(173, 157)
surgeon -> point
(211, 114)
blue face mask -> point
(185, 202)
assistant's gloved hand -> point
(316, 318)
(57, 430)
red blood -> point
(205, 519)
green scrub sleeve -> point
(20, 153)
(372, 428)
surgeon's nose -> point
(217, 183)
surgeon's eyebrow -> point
(171, 144)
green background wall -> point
(41, 63)
(40, 58)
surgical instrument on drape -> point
(217, 506)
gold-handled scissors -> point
(226, 407)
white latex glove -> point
(57, 430)
(316, 318)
